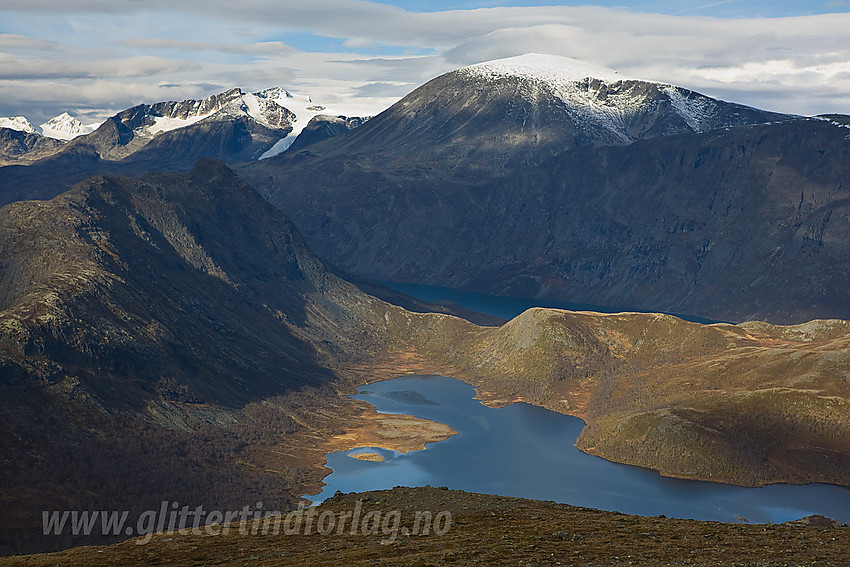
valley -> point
(189, 297)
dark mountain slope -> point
(132, 259)
(730, 224)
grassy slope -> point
(748, 404)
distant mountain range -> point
(233, 126)
(535, 176)
(516, 112)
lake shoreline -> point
(476, 461)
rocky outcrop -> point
(19, 147)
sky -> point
(93, 58)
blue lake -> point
(527, 451)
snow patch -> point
(252, 107)
(166, 124)
(280, 146)
(695, 110)
(304, 108)
(831, 122)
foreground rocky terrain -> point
(484, 530)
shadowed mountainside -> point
(157, 338)
(738, 224)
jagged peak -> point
(66, 127)
(19, 123)
(274, 93)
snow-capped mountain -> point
(520, 110)
(603, 102)
(66, 127)
(233, 126)
(276, 108)
(168, 116)
(18, 123)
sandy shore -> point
(371, 457)
(402, 433)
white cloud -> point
(12, 67)
(358, 42)
(258, 48)
(13, 41)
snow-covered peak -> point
(63, 127)
(609, 108)
(546, 68)
(171, 115)
(66, 127)
(19, 123)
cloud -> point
(796, 64)
(384, 88)
(13, 41)
(259, 48)
(90, 100)
(40, 68)
(356, 42)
